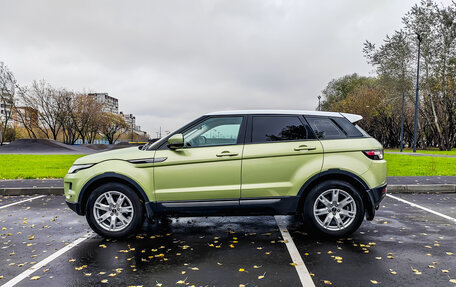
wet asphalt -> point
(403, 246)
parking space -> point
(8, 200)
(402, 246)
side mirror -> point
(176, 141)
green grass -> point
(428, 151)
(20, 166)
(24, 166)
(406, 165)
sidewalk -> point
(396, 184)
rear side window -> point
(279, 128)
(325, 128)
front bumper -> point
(375, 196)
(75, 206)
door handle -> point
(226, 153)
(304, 147)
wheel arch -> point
(337, 174)
(111, 177)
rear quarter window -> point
(334, 128)
(349, 129)
(326, 128)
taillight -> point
(374, 154)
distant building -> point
(5, 108)
(130, 119)
(110, 104)
(24, 114)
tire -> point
(330, 219)
(109, 219)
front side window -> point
(279, 128)
(213, 131)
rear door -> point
(281, 153)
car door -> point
(207, 168)
(281, 153)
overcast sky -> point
(170, 61)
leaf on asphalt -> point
(1, 276)
(416, 271)
(293, 264)
(35, 278)
(256, 266)
(241, 269)
(445, 271)
(327, 282)
(374, 282)
(182, 282)
(453, 281)
(449, 253)
(195, 268)
(218, 263)
(71, 260)
(104, 281)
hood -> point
(120, 154)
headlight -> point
(77, 167)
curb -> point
(393, 188)
(32, 191)
(422, 188)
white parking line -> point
(301, 268)
(423, 208)
(45, 261)
(25, 200)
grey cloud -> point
(170, 61)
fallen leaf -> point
(241, 269)
(374, 282)
(35, 278)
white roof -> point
(351, 117)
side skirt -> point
(226, 207)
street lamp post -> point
(319, 105)
(417, 91)
(402, 122)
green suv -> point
(319, 165)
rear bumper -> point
(375, 195)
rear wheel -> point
(333, 208)
(114, 210)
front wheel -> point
(114, 210)
(333, 208)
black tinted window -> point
(281, 128)
(325, 128)
(348, 127)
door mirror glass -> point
(176, 141)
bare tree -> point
(113, 126)
(7, 92)
(26, 115)
(87, 116)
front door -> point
(207, 168)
